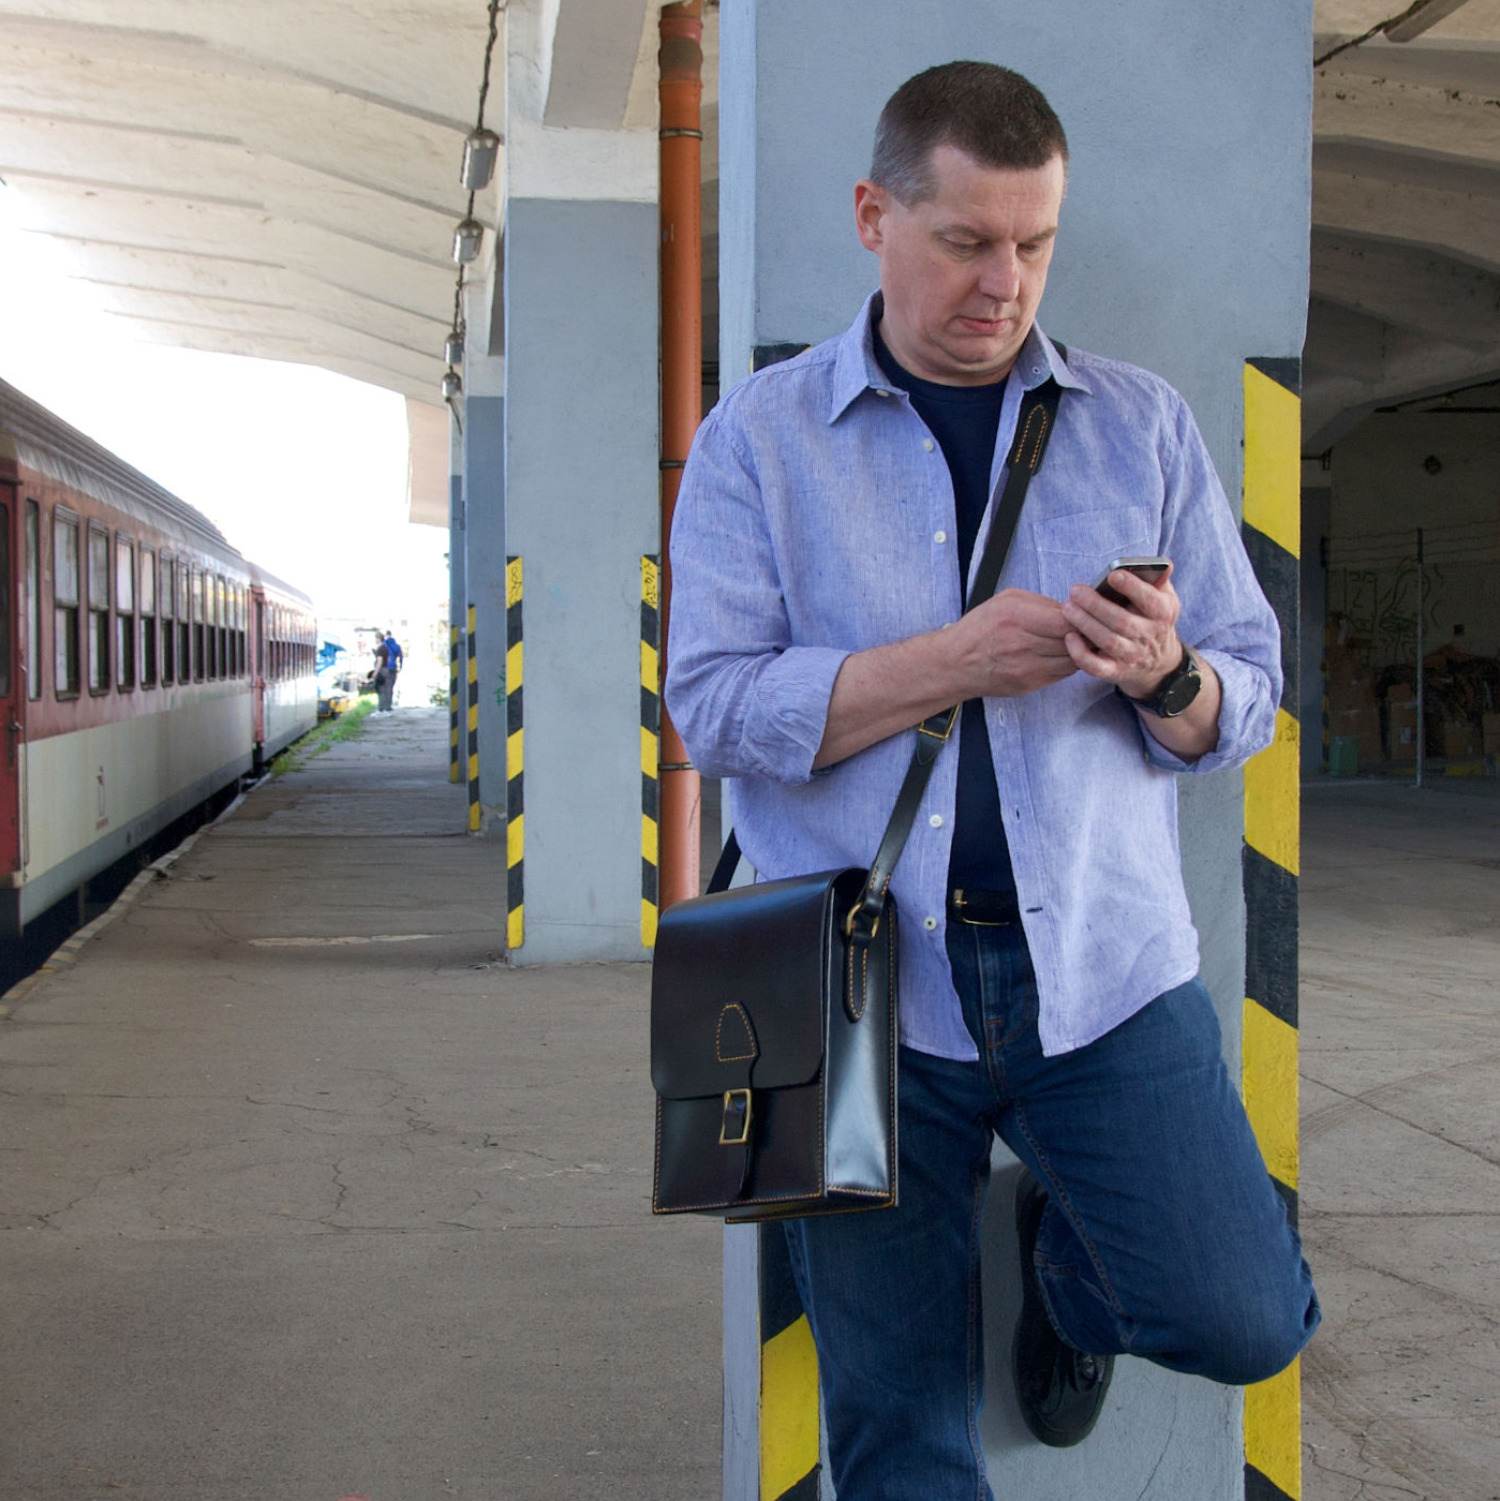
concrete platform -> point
(1401, 1139)
(307, 1196)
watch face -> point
(1183, 688)
(1179, 694)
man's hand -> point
(1136, 649)
(1013, 643)
(1133, 648)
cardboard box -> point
(1401, 729)
(1461, 741)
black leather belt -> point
(984, 909)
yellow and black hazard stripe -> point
(650, 747)
(473, 777)
(789, 1432)
(1272, 532)
(515, 760)
(453, 770)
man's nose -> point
(1000, 276)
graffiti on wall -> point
(1380, 605)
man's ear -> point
(871, 204)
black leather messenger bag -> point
(773, 1006)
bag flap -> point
(741, 982)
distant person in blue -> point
(388, 660)
(830, 513)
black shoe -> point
(1061, 1390)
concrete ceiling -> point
(275, 178)
(280, 178)
(1406, 210)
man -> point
(388, 659)
(831, 510)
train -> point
(145, 664)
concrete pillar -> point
(484, 516)
(1183, 247)
(457, 597)
(581, 494)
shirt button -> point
(928, 444)
(929, 923)
(936, 820)
(881, 391)
(940, 537)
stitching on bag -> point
(719, 1052)
(857, 1014)
(1037, 413)
(656, 1167)
(893, 1049)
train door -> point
(12, 693)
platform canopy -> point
(280, 178)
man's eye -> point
(963, 247)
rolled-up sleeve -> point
(745, 700)
(1225, 616)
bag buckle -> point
(859, 907)
(949, 717)
(734, 1129)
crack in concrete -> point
(294, 1105)
(1166, 1444)
(1321, 1120)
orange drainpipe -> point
(681, 62)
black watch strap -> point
(1176, 691)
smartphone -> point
(1150, 569)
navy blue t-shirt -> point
(965, 420)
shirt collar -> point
(856, 369)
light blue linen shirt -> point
(816, 519)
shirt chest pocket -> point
(1078, 548)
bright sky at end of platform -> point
(303, 470)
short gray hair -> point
(990, 113)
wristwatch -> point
(1176, 691)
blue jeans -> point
(1164, 1237)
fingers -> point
(1132, 646)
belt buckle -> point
(736, 1116)
(957, 898)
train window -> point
(222, 619)
(98, 610)
(197, 608)
(64, 605)
(211, 629)
(33, 599)
(184, 626)
(124, 612)
(148, 618)
(168, 629)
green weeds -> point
(331, 732)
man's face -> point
(962, 271)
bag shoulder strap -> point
(1034, 427)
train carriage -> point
(145, 664)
